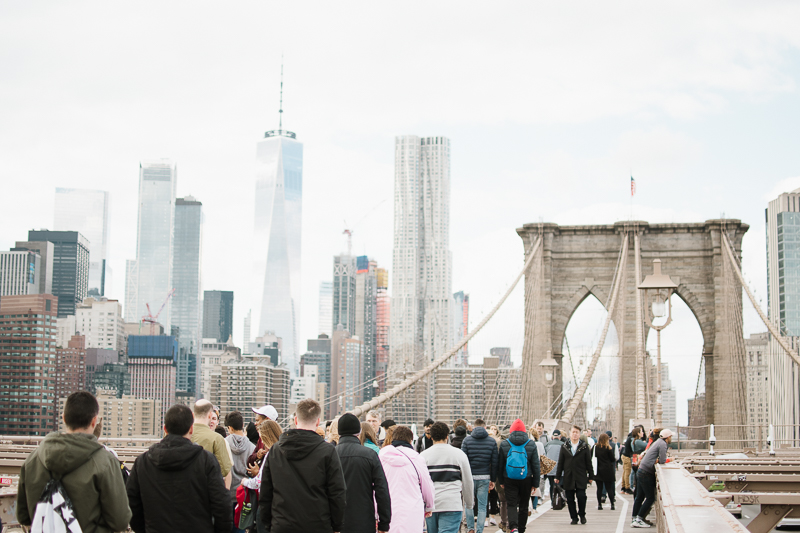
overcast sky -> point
(549, 108)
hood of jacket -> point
(297, 444)
(392, 456)
(479, 433)
(61, 453)
(518, 438)
(173, 453)
(238, 443)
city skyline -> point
(696, 128)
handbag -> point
(546, 464)
(559, 502)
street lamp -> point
(549, 366)
(657, 289)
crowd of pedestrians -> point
(346, 476)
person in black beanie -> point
(364, 479)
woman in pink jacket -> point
(410, 485)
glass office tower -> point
(86, 211)
(218, 316)
(70, 267)
(157, 181)
(187, 282)
(278, 216)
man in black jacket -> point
(365, 481)
(424, 441)
(302, 486)
(481, 451)
(573, 473)
(177, 485)
(518, 491)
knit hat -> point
(349, 425)
(517, 425)
(461, 431)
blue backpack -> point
(517, 461)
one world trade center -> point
(278, 218)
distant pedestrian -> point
(452, 479)
(481, 450)
(424, 441)
(367, 489)
(544, 438)
(553, 451)
(265, 412)
(410, 485)
(302, 486)
(536, 494)
(368, 437)
(627, 452)
(89, 474)
(518, 472)
(374, 420)
(210, 440)
(646, 478)
(460, 435)
(241, 448)
(573, 473)
(178, 486)
(606, 475)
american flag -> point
(633, 186)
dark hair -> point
(439, 431)
(79, 410)
(386, 424)
(328, 424)
(577, 427)
(480, 422)
(308, 411)
(403, 433)
(178, 420)
(428, 422)
(221, 430)
(235, 420)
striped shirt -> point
(452, 477)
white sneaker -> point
(492, 521)
(637, 522)
(486, 523)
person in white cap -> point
(646, 478)
(265, 412)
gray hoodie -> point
(241, 448)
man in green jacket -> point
(211, 440)
(90, 474)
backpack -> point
(54, 511)
(517, 461)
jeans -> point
(518, 496)
(481, 497)
(581, 510)
(632, 480)
(626, 472)
(444, 522)
(645, 494)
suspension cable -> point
(407, 383)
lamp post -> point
(657, 289)
(549, 366)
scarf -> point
(398, 443)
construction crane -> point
(153, 320)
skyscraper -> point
(347, 371)
(70, 267)
(367, 317)
(460, 325)
(325, 307)
(783, 296)
(382, 319)
(187, 282)
(278, 216)
(152, 367)
(344, 293)
(421, 263)
(27, 363)
(20, 272)
(86, 211)
(218, 315)
(45, 250)
(152, 271)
